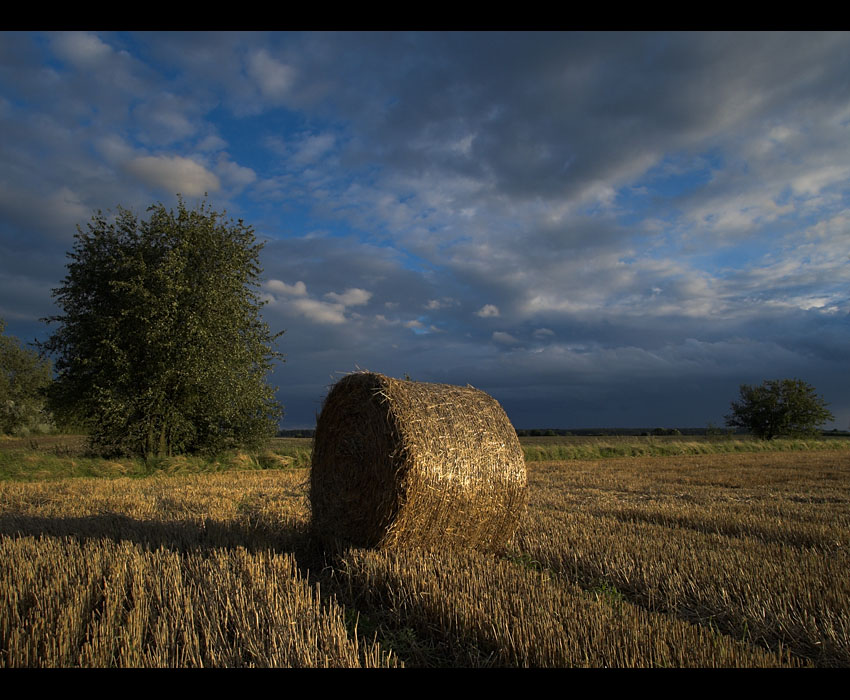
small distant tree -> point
(160, 348)
(23, 379)
(780, 407)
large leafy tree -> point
(23, 378)
(779, 407)
(160, 348)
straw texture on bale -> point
(401, 463)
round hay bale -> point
(401, 463)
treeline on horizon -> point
(606, 432)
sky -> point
(599, 230)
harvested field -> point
(707, 560)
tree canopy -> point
(779, 407)
(23, 378)
(160, 347)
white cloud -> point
(806, 302)
(780, 133)
(320, 311)
(812, 182)
(298, 289)
(166, 118)
(488, 311)
(545, 302)
(212, 142)
(274, 78)
(463, 145)
(114, 148)
(444, 302)
(541, 333)
(81, 48)
(177, 125)
(328, 312)
(175, 174)
(736, 211)
(312, 148)
(234, 174)
(504, 338)
(351, 297)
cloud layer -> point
(598, 229)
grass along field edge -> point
(56, 457)
(542, 449)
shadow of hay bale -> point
(400, 463)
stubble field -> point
(700, 560)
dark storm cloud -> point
(550, 114)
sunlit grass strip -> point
(33, 465)
(601, 449)
(66, 458)
(254, 509)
